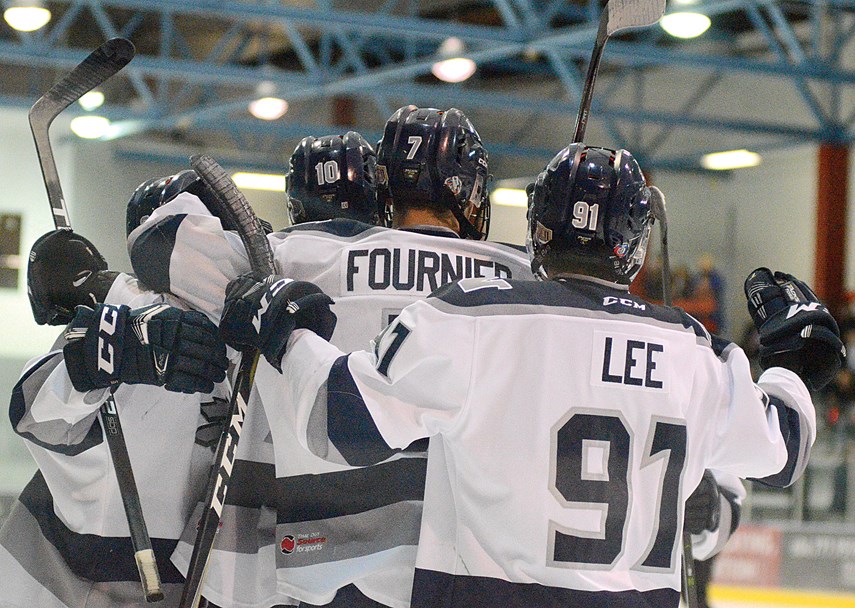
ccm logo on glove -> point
(106, 330)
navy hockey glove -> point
(262, 311)
(796, 329)
(703, 507)
(158, 345)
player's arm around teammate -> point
(66, 541)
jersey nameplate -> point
(630, 361)
(398, 269)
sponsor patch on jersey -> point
(302, 543)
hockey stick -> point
(657, 203)
(100, 65)
(236, 210)
(618, 15)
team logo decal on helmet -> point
(454, 184)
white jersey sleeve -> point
(182, 249)
(710, 542)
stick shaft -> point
(591, 77)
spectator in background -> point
(837, 409)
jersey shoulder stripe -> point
(581, 298)
(342, 228)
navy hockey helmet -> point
(155, 192)
(332, 177)
(59, 263)
(590, 206)
(434, 159)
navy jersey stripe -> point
(788, 421)
(327, 495)
(155, 246)
(433, 589)
(350, 427)
(337, 227)
(93, 557)
(24, 393)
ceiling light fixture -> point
(26, 15)
(260, 181)
(452, 67)
(509, 197)
(268, 108)
(685, 25)
(731, 159)
(91, 100)
(90, 127)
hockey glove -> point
(796, 329)
(158, 345)
(703, 507)
(261, 312)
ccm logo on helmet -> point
(106, 329)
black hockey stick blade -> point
(143, 552)
(233, 206)
(98, 67)
(618, 15)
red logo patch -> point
(288, 545)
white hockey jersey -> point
(336, 524)
(66, 543)
(568, 423)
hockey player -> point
(567, 489)
(332, 177)
(65, 543)
(345, 536)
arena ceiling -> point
(768, 74)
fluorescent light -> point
(685, 25)
(91, 100)
(260, 181)
(452, 67)
(27, 18)
(90, 127)
(732, 159)
(268, 108)
(509, 197)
